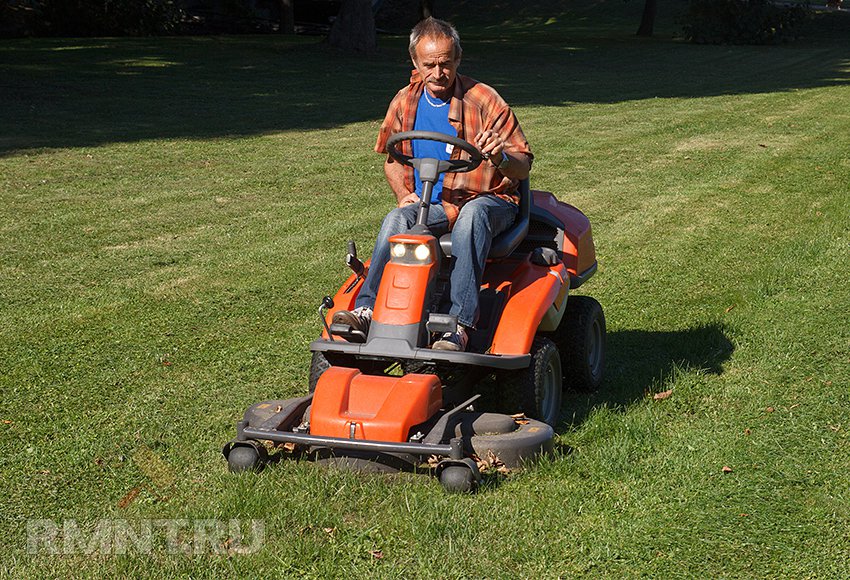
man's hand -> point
(408, 199)
(492, 146)
(490, 143)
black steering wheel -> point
(447, 166)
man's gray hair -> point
(432, 27)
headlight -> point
(398, 250)
(411, 254)
(422, 253)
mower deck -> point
(451, 437)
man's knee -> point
(473, 216)
(398, 220)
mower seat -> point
(505, 243)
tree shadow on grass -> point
(79, 93)
(641, 362)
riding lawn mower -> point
(383, 400)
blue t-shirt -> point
(431, 118)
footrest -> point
(347, 332)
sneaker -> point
(357, 319)
(453, 340)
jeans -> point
(480, 220)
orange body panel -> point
(381, 408)
(579, 252)
(531, 291)
(401, 297)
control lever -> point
(327, 304)
(351, 260)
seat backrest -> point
(505, 243)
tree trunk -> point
(647, 21)
(354, 27)
(426, 9)
(287, 16)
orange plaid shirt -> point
(474, 107)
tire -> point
(458, 479)
(244, 458)
(581, 340)
(318, 365)
(536, 390)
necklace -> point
(425, 92)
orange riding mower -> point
(385, 401)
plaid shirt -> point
(474, 107)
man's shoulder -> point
(477, 93)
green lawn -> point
(174, 209)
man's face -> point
(435, 60)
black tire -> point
(458, 479)
(243, 458)
(581, 340)
(536, 390)
(318, 365)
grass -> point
(173, 210)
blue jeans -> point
(480, 220)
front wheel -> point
(536, 390)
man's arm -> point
(395, 177)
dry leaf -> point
(747, 431)
(128, 499)
(727, 469)
(377, 554)
(329, 531)
(728, 310)
(662, 395)
(770, 409)
(6, 422)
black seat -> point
(505, 243)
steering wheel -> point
(443, 166)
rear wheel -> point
(536, 390)
(581, 340)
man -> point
(474, 206)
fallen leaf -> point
(377, 554)
(662, 395)
(744, 515)
(728, 310)
(6, 422)
(770, 409)
(128, 499)
(166, 363)
(747, 431)
(329, 531)
(763, 145)
(727, 469)
(98, 461)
